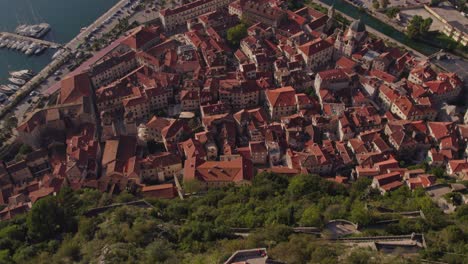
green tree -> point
(159, 251)
(124, 197)
(454, 234)
(69, 251)
(439, 172)
(192, 186)
(194, 232)
(295, 4)
(297, 252)
(360, 256)
(418, 27)
(462, 212)
(24, 150)
(425, 26)
(360, 215)
(375, 4)
(334, 211)
(310, 91)
(311, 217)
(392, 12)
(5, 256)
(412, 30)
(87, 227)
(455, 198)
(324, 255)
(236, 34)
(70, 206)
(306, 184)
(46, 219)
(360, 187)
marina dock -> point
(17, 37)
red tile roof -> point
(439, 87)
(160, 160)
(164, 191)
(285, 96)
(392, 186)
(236, 170)
(74, 87)
(384, 76)
(333, 74)
(458, 165)
(345, 63)
(314, 46)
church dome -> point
(357, 26)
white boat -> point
(31, 49)
(6, 90)
(23, 77)
(39, 50)
(13, 86)
(21, 73)
(25, 47)
(57, 54)
(18, 43)
(20, 46)
(17, 81)
(35, 31)
(8, 44)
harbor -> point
(18, 101)
(27, 45)
(27, 39)
(66, 18)
(34, 31)
(17, 37)
(17, 80)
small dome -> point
(357, 26)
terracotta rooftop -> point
(285, 96)
(313, 47)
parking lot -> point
(392, 3)
(407, 15)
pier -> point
(17, 37)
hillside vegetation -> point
(197, 230)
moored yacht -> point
(17, 81)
